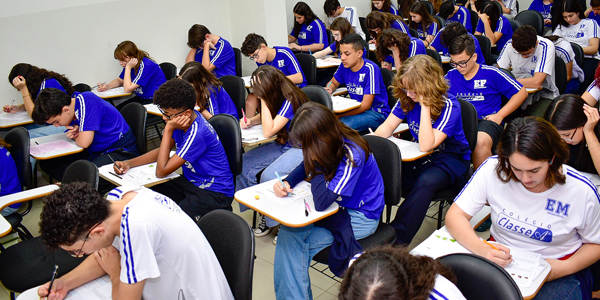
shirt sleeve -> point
(52, 83)
(347, 173)
(432, 29)
(319, 34)
(565, 52)
(144, 73)
(222, 54)
(448, 119)
(590, 225)
(436, 43)
(473, 196)
(339, 75)
(594, 90)
(480, 27)
(504, 26)
(504, 58)
(558, 31)
(398, 112)
(89, 114)
(122, 75)
(592, 30)
(286, 110)
(505, 84)
(545, 64)
(193, 143)
(137, 246)
(372, 80)
(291, 63)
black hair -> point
(49, 103)
(451, 31)
(357, 42)
(34, 77)
(175, 94)
(524, 38)
(446, 9)
(462, 43)
(252, 43)
(569, 6)
(330, 6)
(304, 10)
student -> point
(531, 58)
(140, 74)
(140, 238)
(494, 25)
(444, 38)
(577, 124)
(475, 5)
(395, 47)
(309, 33)
(376, 22)
(509, 8)
(436, 5)
(528, 185)
(339, 28)
(363, 79)
(388, 272)
(384, 6)
(454, 13)
(544, 7)
(343, 170)
(207, 182)
(575, 28)
(211, 98)
(592, 93)
(334, 10)
(219, 59)
(9, 177)
(421, 21)
(435, 123)
(92, 123)
(575, 74)
(483, 86)
(594, 11)
(282, 58)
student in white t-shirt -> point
(575, 75)
(393, 273)
(334, 10)
(576, 28)
(538, 204)
(143, 240)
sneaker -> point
(485, 226)
(275, 240)
(262, 228)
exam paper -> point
(100, 289)
(50, 147)
(300, 191)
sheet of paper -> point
(439, 243)
(100, 289)
(20, 116)
(340, 91)
(321, 63)
(116, 91)
(300, 191)
(253, 134)
(372, 47)
(342, 103)
(523, 267)
(400, 142)
(145, 174)
(50, 147)
(246, 81)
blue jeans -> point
(565, 288)
(364, 121)
(296, 248)
(36, 130)
(572, 86)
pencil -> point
(491, 245)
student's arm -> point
(128, 84)
(589, 99)
(322, 53)
(206, 114)
(109, 260)
(271, 126)
(489, 32)
(87, 271)
(505, 10)
(306, 48)
(296, 78)
(332, 85)
(121, 167)
(365, 105)
(585, 256)
(83, 139)
(20, 83)
(515, 101)
(427, 41)
(569, 70)
(111, 85)
(389, 125)
(590, 136)
(206, 55)
(166, 165)
(191, 55)
(396, 56)
(429, 138)
(292, 39)
(534, 82)
(592, 49)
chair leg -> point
(25, 231)
(157, 131)
(13, 296)
(440, 211)
(254, 215)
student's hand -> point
(484, 18)
(372, 41)
(502, 258)
(208, 45)
(294, 46)
(280, 190)
(329, 90)
(19, 82)
(386, 65)
(102, 87)
(72, 131)
(592, 118)
(245, 125)
(109, 260)
(494, 118)
(132, 63)
(547, 22)
(11, 109)
(58, 292)
(121, 167)
(179, 122)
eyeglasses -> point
(254, 57)
(570, 140)
(526, 55)
(462, 64)
(79, 252)
(167, 116)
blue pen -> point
(280, 181)
(309, 52)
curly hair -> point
(34, 77)
(175, 93)
(524, 38)
(389, 272)
(70, 212)
(330, 6)
(536, 139)
(48, 104)
(129, 49)
(451, 31)
(301, 8)
(392, 37)
(203, 81)
(344, 27)
(380, 20)
(197, 35)
(252, 43)
(423, 75)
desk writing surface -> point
(340, 91)
(409, 150)
(323, 64)
(152, 109)
(254, 136)
(445, 59)
(247, 81)
(532, 90)
(15, 119)
(97, 289)
(52, 146)
(144, 175)
(343, 104)
(401, 128)
(112, 93)
(6, 200)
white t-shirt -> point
(351, 14)
(594, 90)
(565, 51)
(160, 243)
(512, 5)
(542, 61)
(553, 223)
(445, 289)
(580, 33)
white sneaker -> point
(262, 228)
(275, 240)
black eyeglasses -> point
(79, 252)
(254, 57)
(167, 116)
(462, 64)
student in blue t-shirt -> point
(219, 57)
(92, 123)
(363, 79)
(211, 98)
(140, 74)
(282, 58)
(593, 12)
(544, 7)
(339, 29)
(434, 119)
(207, 182)
(343, 170)
(396, 46)
(483, 86)
(421, 21)
(455, 13)
(309, 33)
(444, 38)
(384, 6)
(494, 26)
(376, 22)
(9, 177)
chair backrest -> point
(532, 18)
(389, 160)
(309, 67)
(497, 4)
(509, 73)
(413, 32)
(330, 37)
(318, 94)
(169, 69)
(232, 241)
(429, 6)
(486, 48)
(18, 138)
(363, 26)
(230, 134)
(579, 55)
(491, 280)
(238, 61)
(388, 77)
(560, 74)
(82, 171)
(82, 87)
(514, 24)
(468, 114)
(234, 86)
(474, 20)
(440, 20)
(135, 115)
(435, 56)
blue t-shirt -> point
(448, 122)
(223, 58)
(484, 90)
(287, 111)
(462, 16)
(538, 5)
(400, 26)
(206, 163)
(94, 114)
(593, 16)
(287, 63)
(432, 29)
(9, 177)
(392, 10)
(359, 183)
(502, 26)
(333, 47)
(220, 103)
(149, 77)
(51, 83)
(366, 81)
(437, 44)
(315, 33)
(416, 47)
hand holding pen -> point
(281, 188)
(496, 253)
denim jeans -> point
(36, 131)
(296, 248)
(364, 121)
(565, 288)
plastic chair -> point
(230, 135)
(435, 56)
(309, 67)
(232, 240)
(560, 74)
(579, 55)
(318, 94)
(330, 37)
(414, 32)
(486, 48)
(514, 24)
(588, 66)
(491, 280)
(441, 21)
(238, 61)
(430, 7)
(83, 171)
(388, 76)
(135, 115)
(532, 18)
(169, 69)
(474, 20)
(82, 87)
(363, 26)
(235, 87)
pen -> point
(114, 165)
(11, 103)
(244, 114)
(52, 280)
(305, 208)
(329, 83)
(309, 52)
(111, 173)
(280, 181)
(36, 143)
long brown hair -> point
(129, 49)
(273, 87)
(344, 27)
(420, 9)
(322, 137)
(304, 10)
(204, 82)
(392, 37)
(34, 77)
(385, 7)
(381, 20)
(423, 75)
(3, 143)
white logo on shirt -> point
(77, 114)
(281, 63)
(309, 28)
(480, 84)
(302, 35)
(189, 166)
(207, 184)
(361, 77)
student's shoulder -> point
(371, 66)
(547, 45)
(354, 152)
(284, 51)
(579, 180)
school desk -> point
(372, 47)
(343, 104)
(247, 81)
(532, 90)
(19, 197)
(15, 119)
(445, 59)
(253, 136)
(153, 109)
(144, 175)
(97, 289)
(53, 146)
(112, 93)
(409, 150)
(324, 64)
